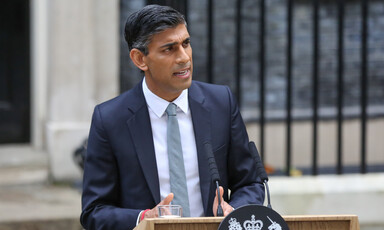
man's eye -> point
(168, 49)
(186, 43)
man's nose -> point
(182, 55)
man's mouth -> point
(182, 74)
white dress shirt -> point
(158, 117)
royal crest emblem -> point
(234, 225)
(253, 224)
(253, 217)
(274, 225)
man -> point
(127, 169)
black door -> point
(179, 5)
(14, 71)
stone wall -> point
(75, 67)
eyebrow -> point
(174, 43)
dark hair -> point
(152, 19)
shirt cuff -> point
(138, 218)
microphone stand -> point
(219, 208)
(215, 175)
(260, 169)
(268, 194)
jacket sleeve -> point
(100, 198)
(245, 185)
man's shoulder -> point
(209, 90)
(123, 101)
(208, 87)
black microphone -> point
(260, 169)
(214, 175)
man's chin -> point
(188, 82)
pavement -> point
(28, 200)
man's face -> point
(169, 63)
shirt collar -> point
(158, 105)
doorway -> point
(15, 72)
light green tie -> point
(177, 176)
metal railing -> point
(289, 64)
(315, 77)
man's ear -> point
(138, 59)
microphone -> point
(260, 169)
(214, 175)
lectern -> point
(326, 222)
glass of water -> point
(170, 211)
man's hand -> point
(226, 207)
(153, 213)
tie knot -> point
(171, 109)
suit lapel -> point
(139, 126)
(141, 132)
(202, 129)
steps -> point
(28, 200)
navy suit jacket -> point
(120, 173)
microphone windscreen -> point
(212, 162)
(259, 164)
